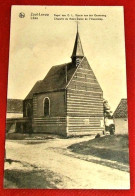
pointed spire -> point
(78, 50)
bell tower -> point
(77, 53)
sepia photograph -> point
(67, 117)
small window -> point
(28, 110)
(46, 106)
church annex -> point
(68, 101)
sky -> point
(38, 44)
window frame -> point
(28, 105)
(44, 106)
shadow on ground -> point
(28, 176)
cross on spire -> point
(77, 25)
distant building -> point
(14, 113)
(121, 118)
(14, 108)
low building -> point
(14, 113)
(14, 108)
(121, 118)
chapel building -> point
(68, 101)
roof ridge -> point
(61, 64)
(39, 80)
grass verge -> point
(111, 147)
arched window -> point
(28, 110)
(46, 106)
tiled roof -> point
(54, 80)
(57, 79)
(14, 105)
(121, 110)
(33, 90)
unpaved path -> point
(74, 173)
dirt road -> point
(72, 172)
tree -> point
(107, 113)
(107, 109)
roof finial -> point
(77, 22)
(77, 25)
